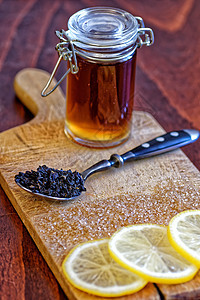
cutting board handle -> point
(28, 85)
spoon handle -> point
(164, 143)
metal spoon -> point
(164, 143)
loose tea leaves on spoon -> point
(52, 182)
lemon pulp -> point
(90, 268)
(184, 235)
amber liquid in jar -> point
(100, 102)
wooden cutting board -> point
(150, 190)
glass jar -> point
(100, 47)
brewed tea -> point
(100, 101)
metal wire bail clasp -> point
(66, 52)
(145, 35)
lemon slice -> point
(90, 268)
(184, 235)
(146, 250)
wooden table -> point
(167, 86)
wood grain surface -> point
(167, 86)
(137, 193)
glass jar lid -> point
(99, 34)
(103, 27)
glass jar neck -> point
(102, 57)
